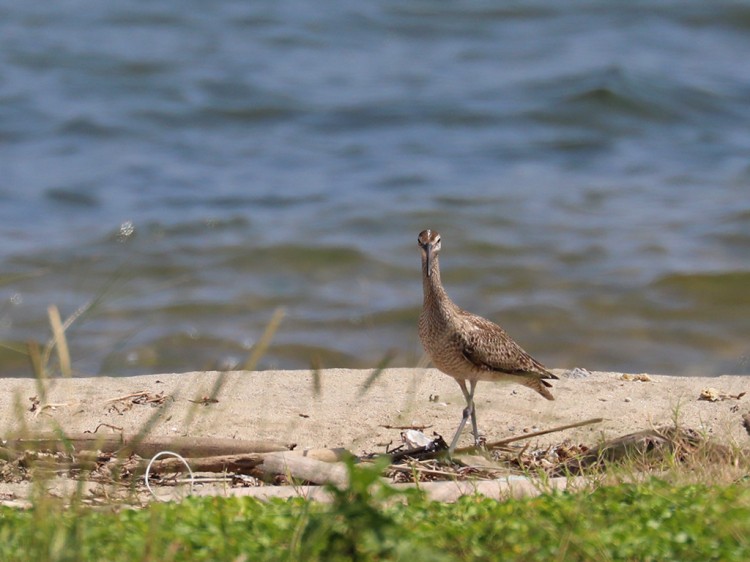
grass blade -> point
(59, 341)
(265, 340)
(384, 362)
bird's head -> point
(429, 245)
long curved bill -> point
(428, 254)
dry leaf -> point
(642, 377)
(714, 395)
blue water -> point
(190, 168)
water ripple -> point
(189, 171)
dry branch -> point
(325, 455)
(503, 442)
(140, 397)
(127, 396)
(305, 468)
(239, 464)
(125, 445)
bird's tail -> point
(540, 385)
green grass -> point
(653, 520)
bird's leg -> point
(468, 411)
(473, 386)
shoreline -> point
(339, 410)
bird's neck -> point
(433, 288)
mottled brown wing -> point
(489, 347)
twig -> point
(109, 426)
(39, 410)
(127, 396)
(503, 442)
(431, 471)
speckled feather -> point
(466, 346)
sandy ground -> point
(342, 412)
(342, 408)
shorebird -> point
(468, 347)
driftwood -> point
(305, 468)
(237, 464)
(335, 454)
(86, 451)
(319, 466)
(125, 445)
(50, 464)
(437, 491)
